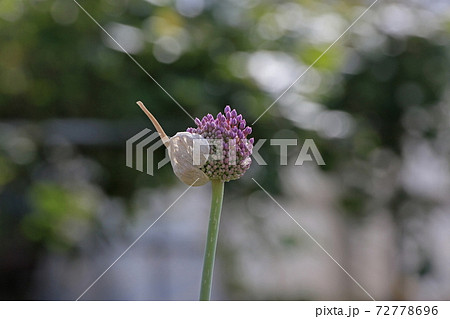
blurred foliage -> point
(57, 212)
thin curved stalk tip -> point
(155, 122)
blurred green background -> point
(376, 105)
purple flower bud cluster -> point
(232, 160)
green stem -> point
(211, 242)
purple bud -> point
(231, 128)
